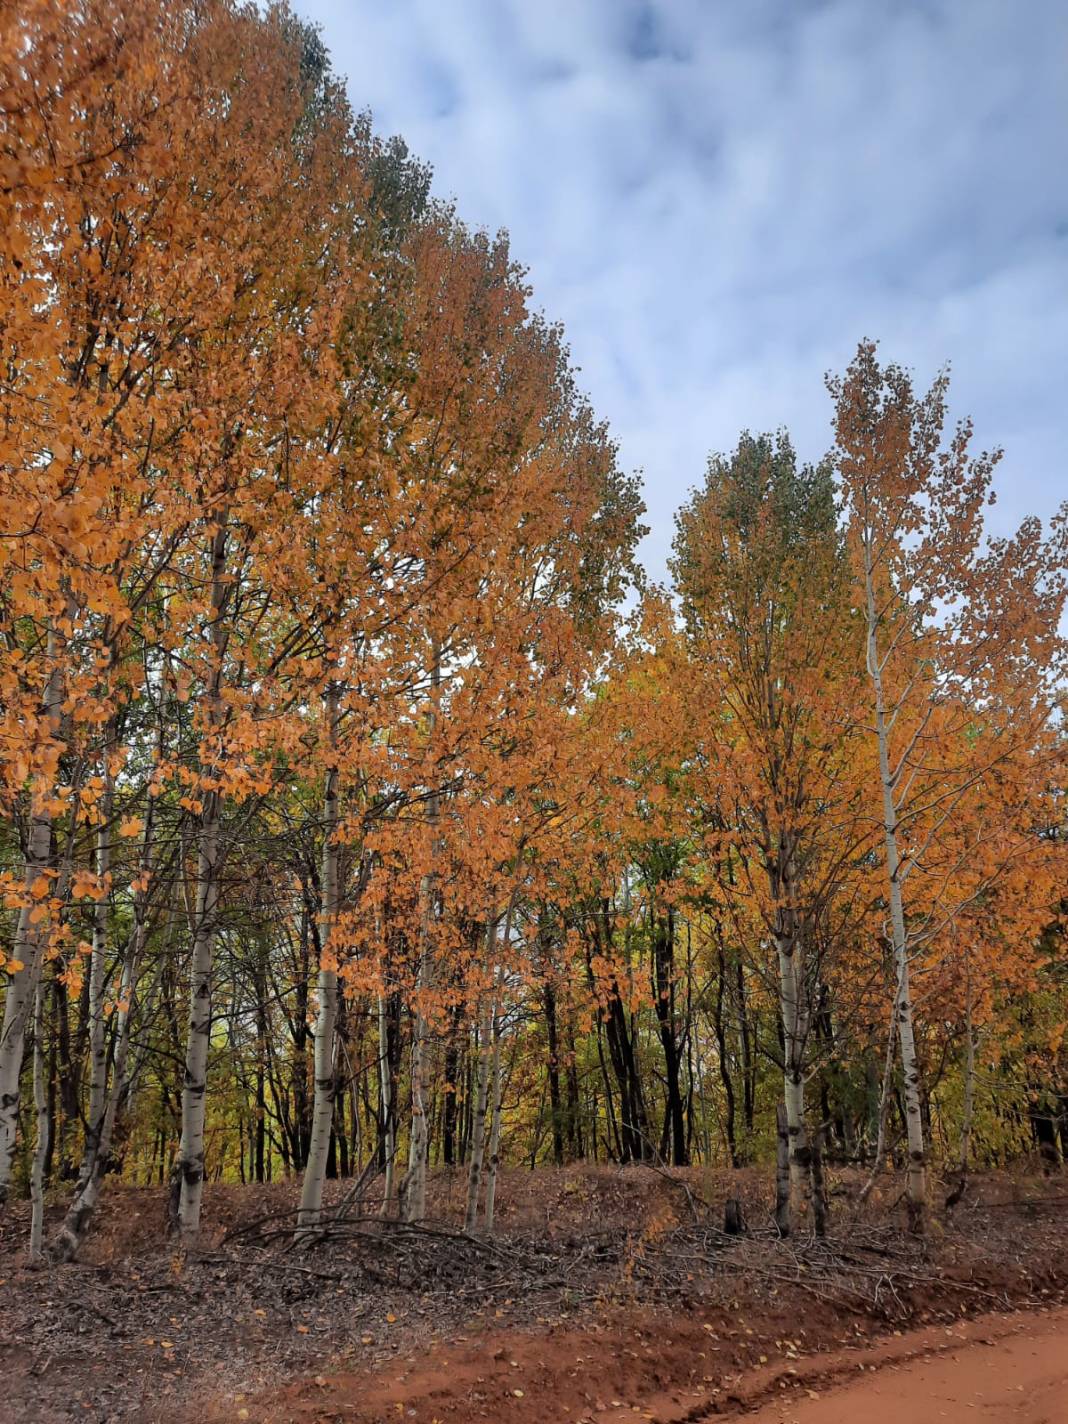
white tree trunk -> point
(311, 1199)
(28, 947)
(794, 1010)
(418, 1143)
(198, 1036)
(782, 1171)
(415, 1181)
(916, 1181)
(44, 1128)
(98, 1048)
(478, 1120)
(884, 1106)
(71, 1234)
(495, 1119)
(478, 1123)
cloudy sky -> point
(719, 197)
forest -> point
(366, 813)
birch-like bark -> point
(782, 1171)
(27, 948)
(44, 1128)
(311, 1199)
(98, 1048)
(415, 1183)
(794, 1011)
(415, 1180)
(916, 1180)
(72, 1232)
(190, 1165)
(478, 1121)
(884, 1106)
(495, 1119)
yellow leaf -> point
(14, 966)
(132, 827)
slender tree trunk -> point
(576, 1142)
(614, 1148)
(664, 970)
(819, 1187)
(883, 1112)
(634, 1124)
(702, 1093)
(83, 1204)
(467, 1112)
(385, 1089)
(28, 946)
(260, 1131)
(968, 1116)
(495, 1118)
(198, 1035)
(719, 1028)
(748, 1060)
(99, 1138)
(73, 1228)
(549, 1001)
(44, 1128)
(51, 1081)
(311, 1198)
(793, 1007)
(194, 1091)
(478, 1124)
(299, 1125)
(782, 1170)
(794, 1104)
(450, 1102)
(415, 1187)
(98, 1049)
(916, 1182)
(416, 1177)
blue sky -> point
(718, 198)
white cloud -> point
(718, 200)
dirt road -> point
(998, 1369)
(1007, 1371)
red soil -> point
(1005, 1369)
(604, 1301)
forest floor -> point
(606, 1293)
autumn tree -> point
(962, 654)
(760, 572)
